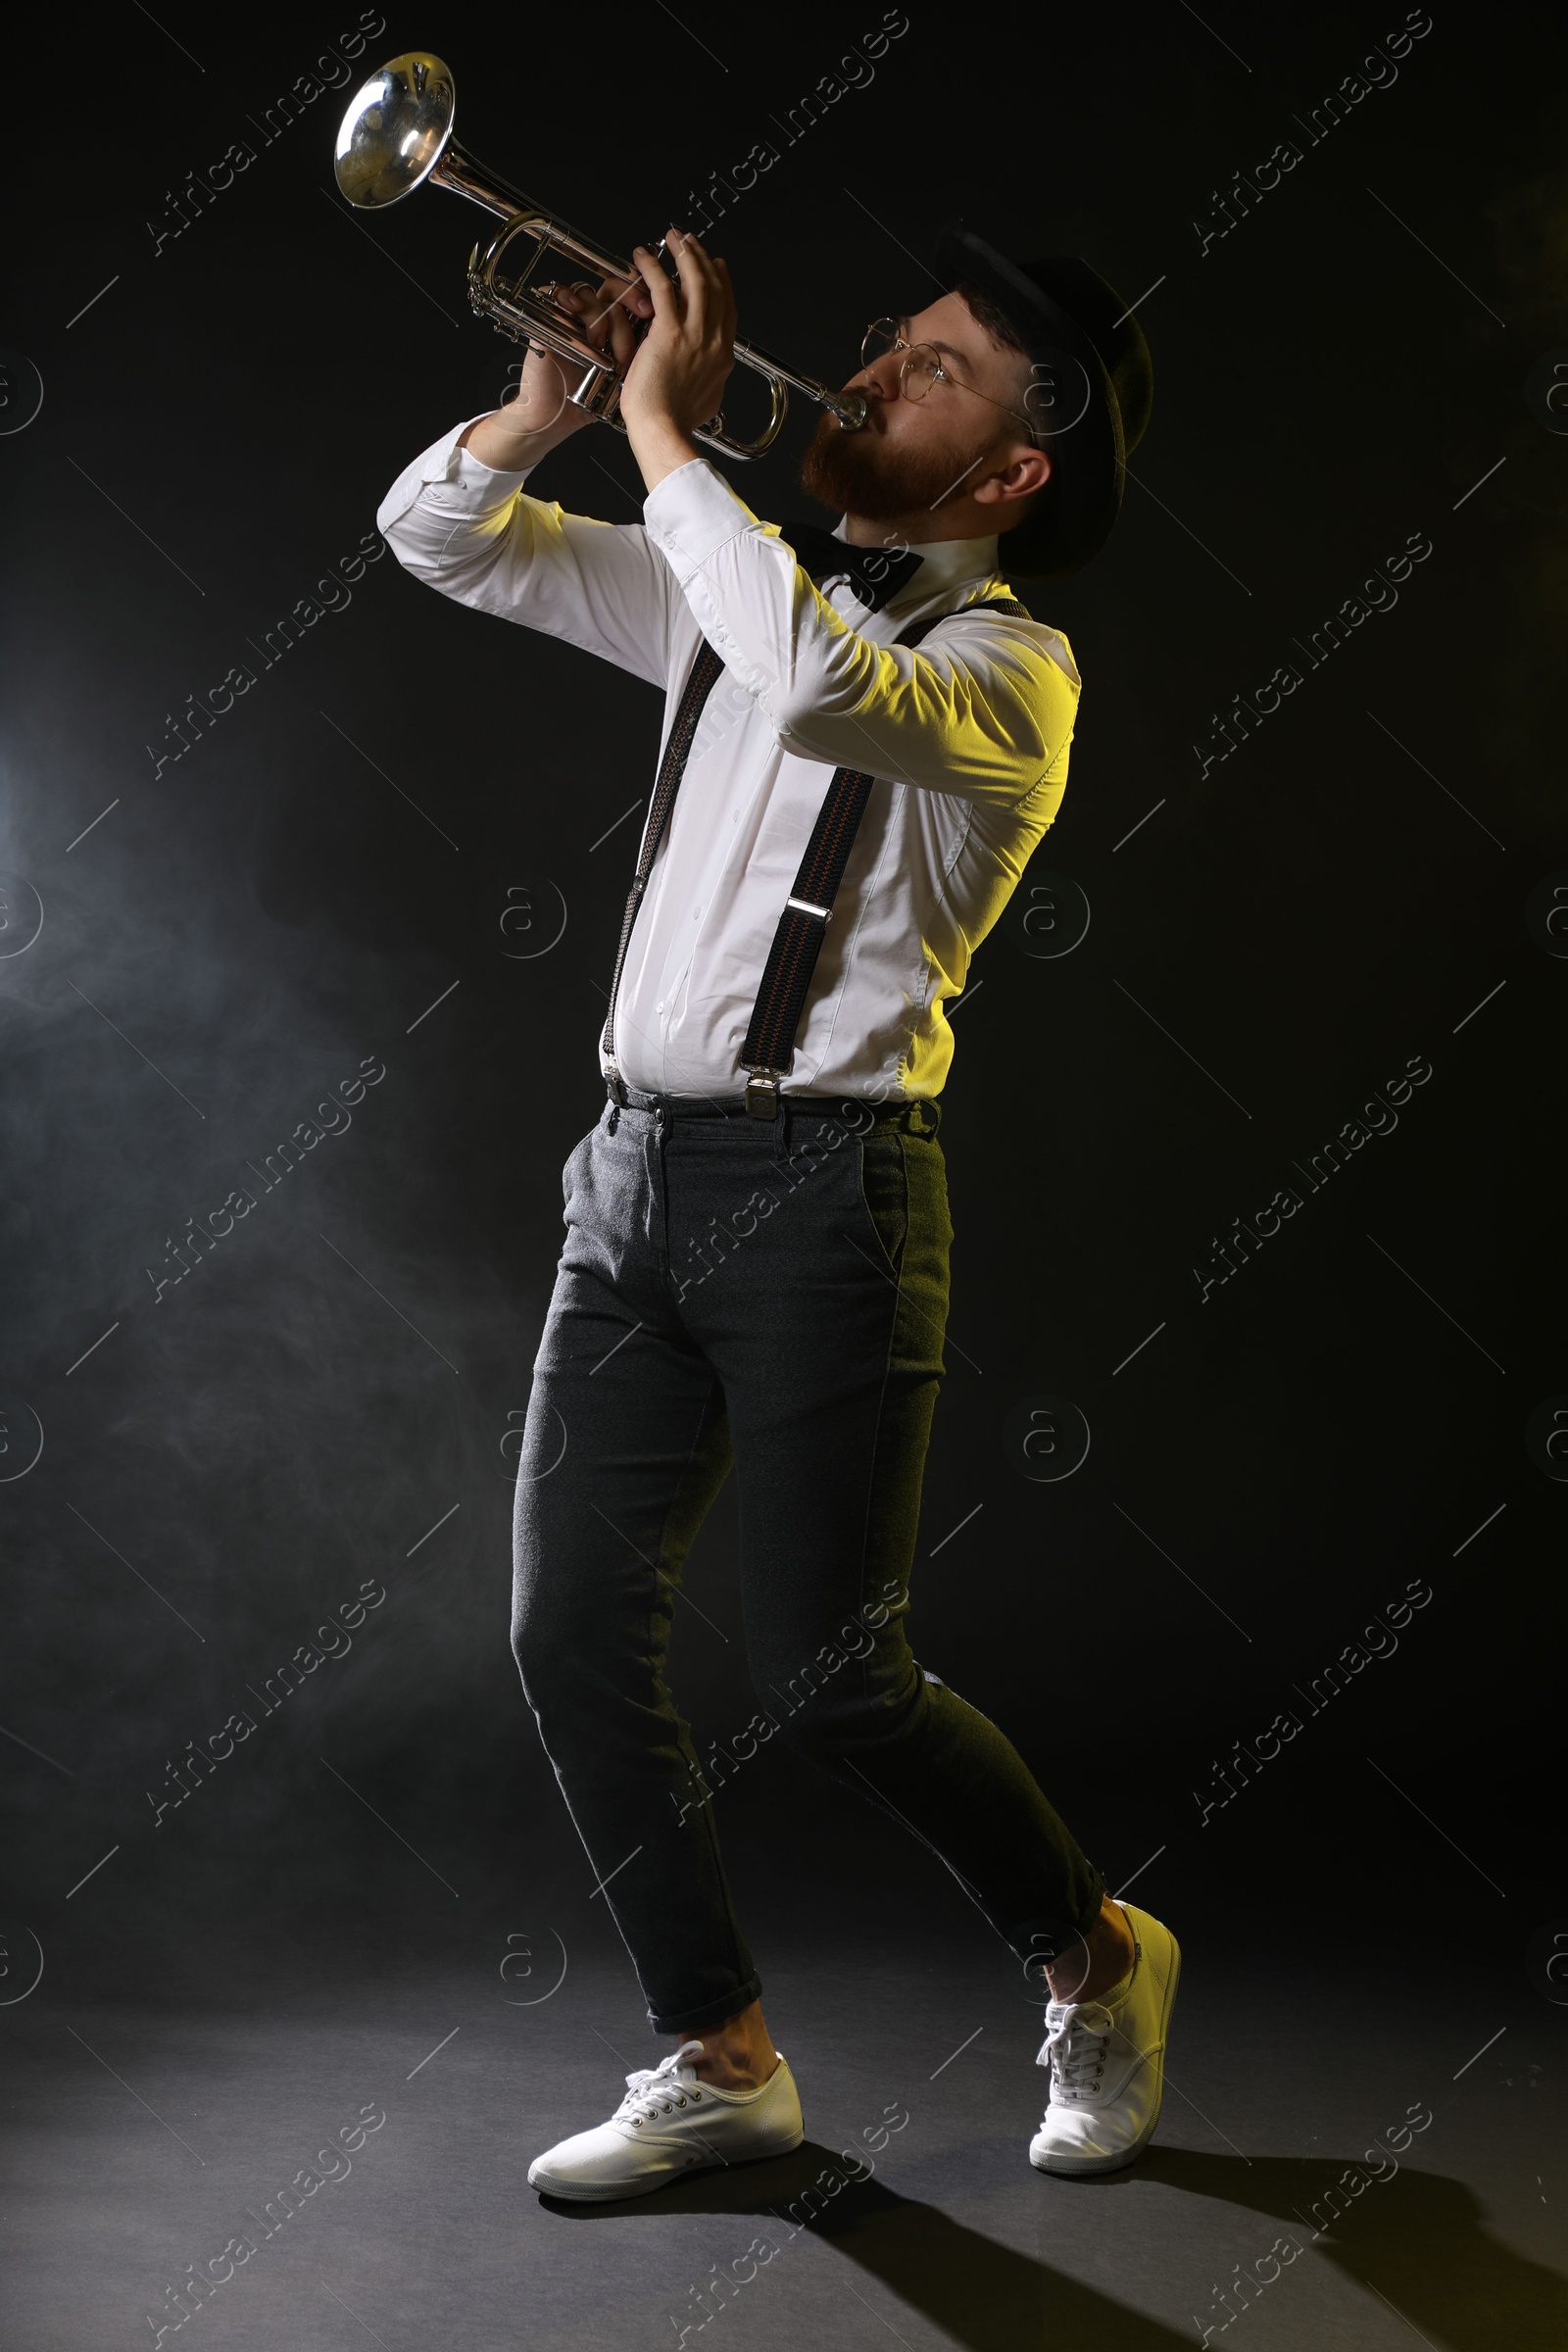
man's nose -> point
(879, 377)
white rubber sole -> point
(1083, 2168)
(581, 2192)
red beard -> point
(861, 473)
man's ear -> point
(1026, 471)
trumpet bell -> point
(395, 131)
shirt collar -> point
(945, 563)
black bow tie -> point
(875, 573)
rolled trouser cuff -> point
(710, 2013)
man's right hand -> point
(612, 318)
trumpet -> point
(397, 135)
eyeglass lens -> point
(921, 364)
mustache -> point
(858, 474)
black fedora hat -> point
(1094, 389)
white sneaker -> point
(1107, 2062)
(670, 2123)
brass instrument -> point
(397, 135)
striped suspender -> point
(770, 1048)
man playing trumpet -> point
(755, 1267)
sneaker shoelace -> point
(659, 2089)
(1077, 2039)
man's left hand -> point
(677, 376)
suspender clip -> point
(762, 1094)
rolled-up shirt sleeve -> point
(984, 711)
(476, 534)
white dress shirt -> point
(968, 736)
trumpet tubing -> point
(396, 136)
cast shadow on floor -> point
(1417, 2239)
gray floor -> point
(146, 2129)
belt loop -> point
(782, 1123)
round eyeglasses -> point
(923, 365)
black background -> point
(339, 853)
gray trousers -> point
(768, 1296)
